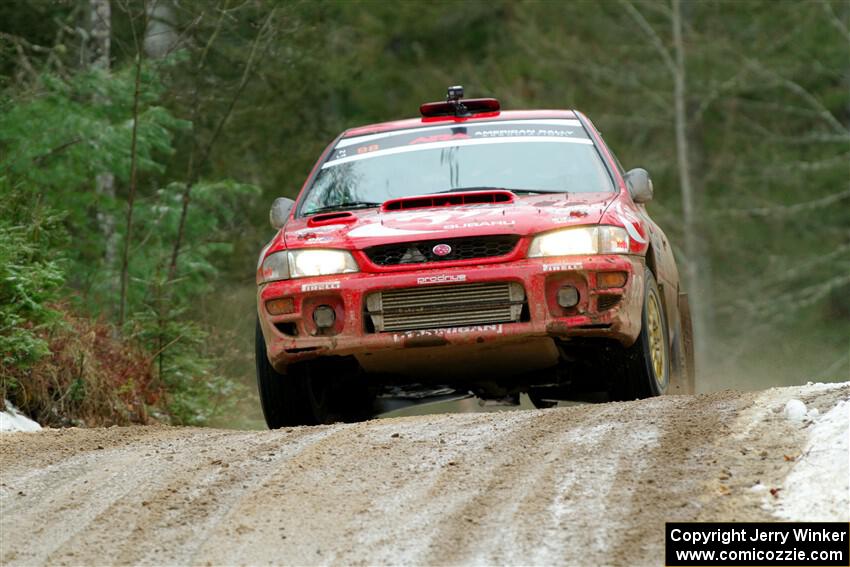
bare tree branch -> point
(125, 259)
(796, 270)
(830, 371)
(784, 210)
(40, 159)
(762, 133)
(246, 74)
(21, 45)
(708, 99)
(653, 36)
(800, 91)
(835, 20)
(807, 166)
(776, 307)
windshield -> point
(552, 156)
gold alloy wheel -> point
(656, 338)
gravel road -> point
(589, 484)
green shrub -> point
(30, 279)
(68, 364)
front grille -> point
(461, 249)
(442, 306)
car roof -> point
(447, 120)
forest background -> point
(142, 142)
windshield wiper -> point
(482, 188)
(344, 207)
(518, 191)
(531, 191)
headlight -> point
(316, 262)
(275, 267)
(579, 241)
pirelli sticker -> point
(320, 286)
(562, 267)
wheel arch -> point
(670, 311)
(651, 262)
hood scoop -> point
(449, 200)
(339, 217)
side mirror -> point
(279, 213)
(639, 184)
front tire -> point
(646, 364)
(295, 398)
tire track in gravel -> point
(166, 488)
(670, 470)
(568, 463)
(189, 502)
(469, 455)
(388, 482)
(492, 511)
(71, 493)
(588, 484)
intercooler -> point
(442, 306)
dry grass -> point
(92, 377)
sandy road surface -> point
(579, 485)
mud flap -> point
(683, 351)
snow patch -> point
(13, 420)
(818, 487)
(795, 410)
(822, 386)
(772, 401)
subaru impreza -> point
(491, 252)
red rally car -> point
(493, 252)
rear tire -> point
(295, 398)
(539, 402)
(646, 364)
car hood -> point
(525, 215)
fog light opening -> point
(606, 280)
(280, 306)
(324, 316)
(568, 296)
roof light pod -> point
(456, 105)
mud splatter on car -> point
(495, 252)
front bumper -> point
(613, 313)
